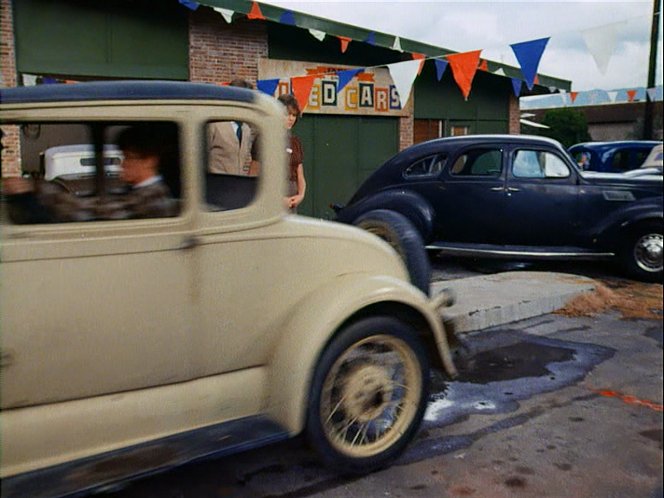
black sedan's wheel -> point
(402, 235)
(368, 395)
(642, 254)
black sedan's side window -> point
(425, 168)
(478, 162)
(538, 164)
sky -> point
(493, 26)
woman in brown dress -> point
(296, 182)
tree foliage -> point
(567, 126)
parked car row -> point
(507, 196)
(614, 157)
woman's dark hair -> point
(291, 104)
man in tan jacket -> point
(230, 143)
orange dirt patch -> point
(631, 299)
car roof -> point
(645, 144)
(438, 144)
(123, 90)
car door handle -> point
(513, 189)
(497, 189)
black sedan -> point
(511, 196)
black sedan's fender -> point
(610, 232)
(405, 202)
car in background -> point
(514, 197)
(612, 157)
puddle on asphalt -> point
(505, 367)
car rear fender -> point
(609, 231)
(406, 202)
(323, 314)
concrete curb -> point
(490, 300)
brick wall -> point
(514, 115)
(10, 140)
(407, 125)
(219, 52)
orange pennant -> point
(631, 94)
(344, 43)
(484, 65)
(572, 96)
(421, 57)
(301, 86)
(255, 12)
(464, 67)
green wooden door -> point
(339, 153)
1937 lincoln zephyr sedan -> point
(511, 196)
(207, 320)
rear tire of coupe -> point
(401, 234)
(368, 395)
(642, 254)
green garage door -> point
(339, 153)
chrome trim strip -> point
(507, 253)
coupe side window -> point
(538, 164)
(102, 171)
(481, 162)
(427, 167)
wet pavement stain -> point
(497, 371)
(505, 367)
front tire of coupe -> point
(368, 395)
(642, 253)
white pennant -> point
(500, 72)
(601, 42)
(226, 13)
(29, 79)
(612, 95)
(319, 35)
(652, 93)
(397, 44)
(404, 74)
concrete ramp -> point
(490, 300)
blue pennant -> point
(371, 39)
(516, 84)
(345, 77)
(529, 54)
(440, 68)
(287, 18)
(190, 4)
(268, 86)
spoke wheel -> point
(369, 395)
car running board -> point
(510, 252)
(110, 470)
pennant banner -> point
(404, 74)
(344, 43)
(464, 67)
(529, 55)
(345, 77)
(440, 68)
(301, 86)
(255, 12)
(601, 42)
(397, 44)
(652, 94)
(268, 86)
(225, 13)
(287, 18)
(631, 95)
(190, 4)
(516, 85)
(319, 35)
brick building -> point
(69, 40)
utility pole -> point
(654, 35)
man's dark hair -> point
(149, 138)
